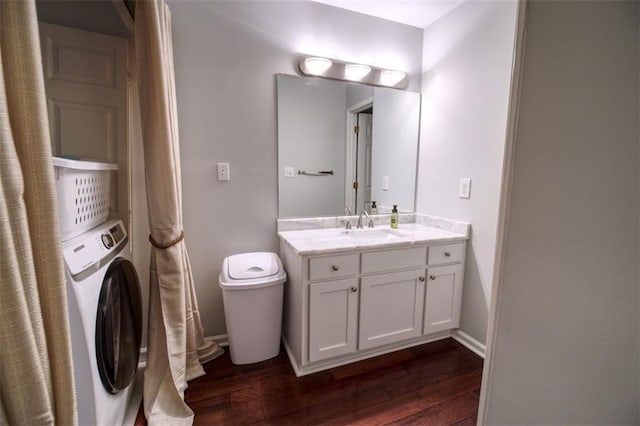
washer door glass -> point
(119, 326)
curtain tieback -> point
(167, 244)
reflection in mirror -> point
(345, 145)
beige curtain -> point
(176, 345)
(36, 369)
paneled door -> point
(443, 298)
(391, 308)
(86, 83)
(333, 318)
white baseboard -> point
(469, 342)
(223, 340)
(322, 365)
(220, 339)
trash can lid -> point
(252, 265)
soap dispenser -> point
(394, 217)
(374, 208)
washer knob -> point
(107, 240)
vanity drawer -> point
(448, 253)
(390, 260)
(322, 268)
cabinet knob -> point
(432, 277)
(421, 278)
(354, 289)
(335, 267)
(447, 254)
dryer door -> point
(119, 326)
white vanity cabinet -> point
(347, 306)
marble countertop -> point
(335, 240)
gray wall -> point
(226, 55)
(566, 341)
(467, 61)
(357, 93)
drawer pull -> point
(335, 267)
(421, 278)
(354, 289)
(447, 254)
(432, 277)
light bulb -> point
(391, 78)
(317, 66)
(356, 71)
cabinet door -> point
(333, 318)
(443, 298)
(391, 307)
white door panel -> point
(391, 308)
(82, 129)
(443, 298)
(333, 316)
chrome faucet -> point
(359, 225)
(347, 222)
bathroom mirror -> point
(345, 145)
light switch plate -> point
(385, 183)
(288, 171)
(464, 188)
(223, 172)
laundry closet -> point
(85, 58)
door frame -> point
(505, 204)
(351, 150)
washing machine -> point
(105, 313)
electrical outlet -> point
(464, 188)
(223, 172)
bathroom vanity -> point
(355, 294)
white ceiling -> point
(418, 13)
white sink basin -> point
(372, 234)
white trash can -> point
(252, 288)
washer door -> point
(119, 326)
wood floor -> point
(433, 384)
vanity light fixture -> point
(317, 66)
(336, 70)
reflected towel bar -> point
(315, 172)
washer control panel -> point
(107, 240)
(113, 236)
(90, 248)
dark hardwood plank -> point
(369, 365)
(469, 421)
(445, 413)
(436, 383)
(393, 409)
